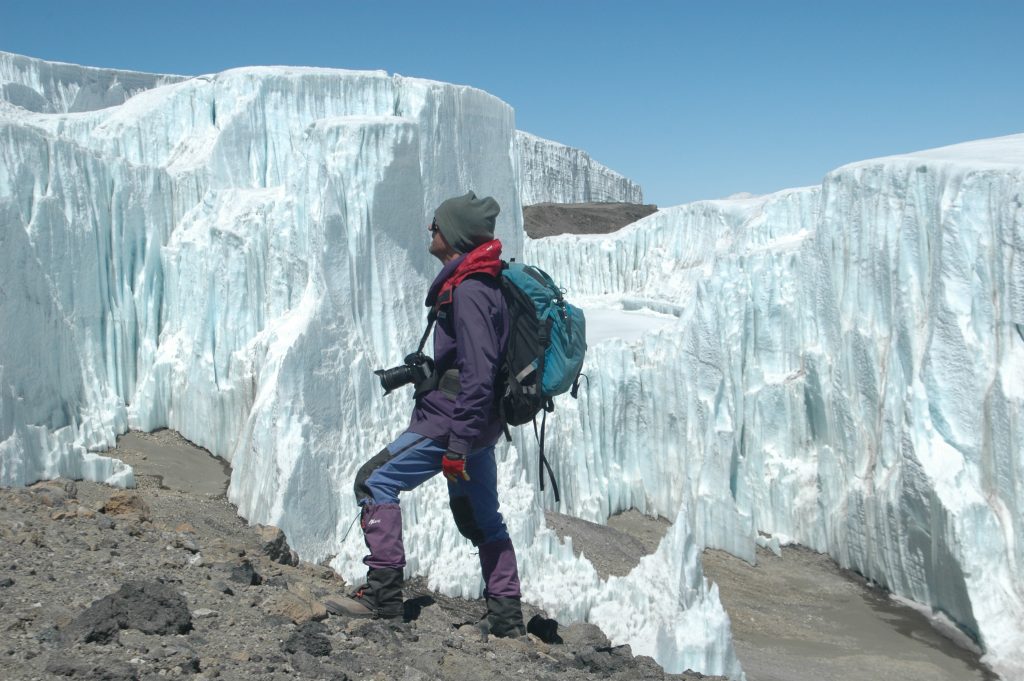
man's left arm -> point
(476, 308)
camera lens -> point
(392, 379)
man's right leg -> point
(474, 505)
(401, 466)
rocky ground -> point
(167, 581)
(549, 219)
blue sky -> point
(692, 100)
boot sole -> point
(336, 607)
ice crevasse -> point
(232, 255)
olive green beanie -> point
(466, 221)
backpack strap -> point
(576, 385)
(543, 463)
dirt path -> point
(798, 617)
(795, 617)
(175, 462)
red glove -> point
(453, 465)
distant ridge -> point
(548, 219)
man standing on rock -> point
(454, 426)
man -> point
(454, 425)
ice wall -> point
(553, 172)
(53, 87)
(845, 373)
(204, 235)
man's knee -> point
(465, 520)
(360, 487)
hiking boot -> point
(501, 588)
(353, 605)
(505, 617)
(380, 597)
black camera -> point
(417, 369)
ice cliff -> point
(846, 372)
(53, 87)
(553, 172)
(232, 255)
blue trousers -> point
(413, 459)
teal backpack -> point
(546, 346)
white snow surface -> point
(609, 318)
(551, 172)
(232, 255)
(846, 373)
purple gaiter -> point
(382, 531)
(501, 576)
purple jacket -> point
(471, 335)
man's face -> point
(439, 248)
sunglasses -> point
(433, 227)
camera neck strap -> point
(431, 316)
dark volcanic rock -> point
(310, 637)
(82, 669)
(543, 628)
(150, 607)
(275, 546)
(245, 573)
(548, 219)
(605, 660)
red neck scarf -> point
(484, 259)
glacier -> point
(231, 256)
(55, 87)
(845, 372)
(551, 172)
